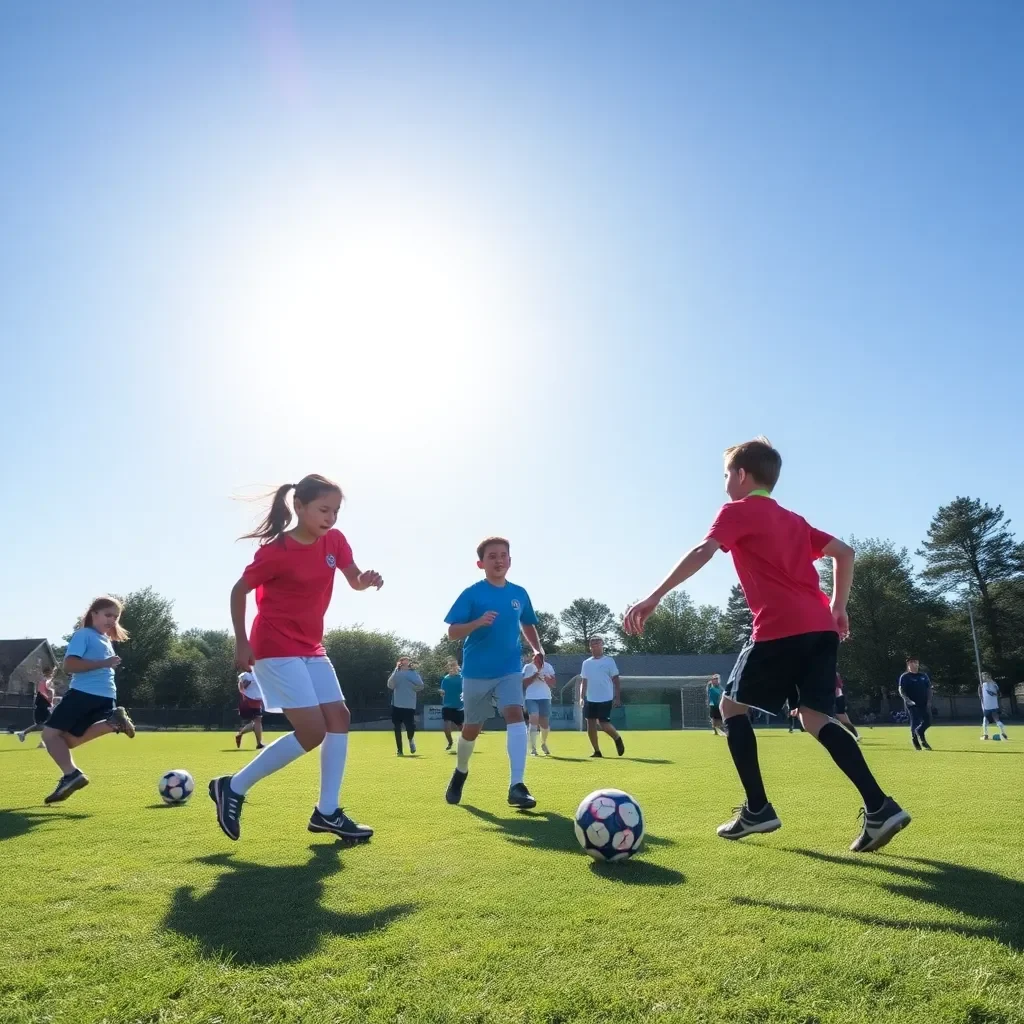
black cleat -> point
(748, 823)
(66, 786)
(453, 794)
(339, 824)
(519, 796)
(917, 745)
(880, 826)
(597, 753)
(229, 805)
(620, 746)
(925, 744)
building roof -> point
(568, 665)
(14, 652)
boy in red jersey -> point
(794, 642)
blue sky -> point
(523, 269)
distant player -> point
(89, 708)
(795, 638)
(601, 692)
(293, 576)
(842, 715)
(537, 695)
(43, 706)
(915, 687)
(250, 709)
(489, 616)
(452, 714)
(793, 713)
(714, 700)
(404, 683)
(988, 691)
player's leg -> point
(410, 728)
(915, 723)
(986, 717)
(257, 729)
(396, 725)
(78, 718)
(447, 731)
(926, 722)
(509, 693)
(998, 723)
(476, 696)
(605, 723)
(544, 724)
(533, 719)
(592, 724)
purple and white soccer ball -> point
(609, 825)
(176, 786)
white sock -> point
(333, 752)
(533, 737)
(269, 760)
(515, 744)
(984, 727)
(544, 736)
(465, 751)
(1001, 727)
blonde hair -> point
(98, 605)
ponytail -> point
(279, 518)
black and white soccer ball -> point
(609, 825)
(176, 786)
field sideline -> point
(117, 909)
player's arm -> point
(842, 556)
(533, 639)
(74, 664)
(692, 562)
(358, 580)
(460, 630)
(617, 700)
(418, 682)
(903, 694)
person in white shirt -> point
(988, 690)
(538, 684)
(600, 694)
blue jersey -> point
(915, 686)
(451, 692)
(714, 696)
(492, 651)
(87, 643)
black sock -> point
(743, 747)
(845, 752)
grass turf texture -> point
(119, 909)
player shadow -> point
(994, 902)
(163, 807)
(1001, 752)
(646, 760)
(17, 821)
(545, 830)
(259, 914)
(637, 872)
(556, 757)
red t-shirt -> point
(774, 551)
(293, 584)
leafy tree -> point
(150, 623)
(177, 681)
(550, 633)
(363, 659)
(217, 648)
(677, 626)
(737, 621)
(583, 619)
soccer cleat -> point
(453, 794)
(748, 823)
(66, 786)
(519, 796)
(985, 737)
(597, 753)
(21, 737)
(119, 721)
(544, 748)
(925, 744)
(620, 746)
(533, 750)
(229, 805)
(412, 746)
(449, 747)
(880, 826)
(339, 824)
(238, 740)
(400, 753)
(917, 745)
(260, 746)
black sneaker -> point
(748, 823)
(453, 794)
(925, 744)
(917, 746)
(519, 796)
(66, 786)
(880, 826)
(449, 747)
(597, 753)
(620, 746)
(229, 805)
(339, 824)
(119, 721)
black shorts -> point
(769, 672)
(599, 709)
(715, 713)
(841, 704)
(403, 716)
(454, 715)
(41, 711)
(991, 716)
(78, 710)
(247, 716)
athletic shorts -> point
(768, 672)
(41, 711)
(715, 712)
(403, 716)
(841, 704)
(477, 695)
(296, 683)
(454, 715)
(539, 706)
(599, 709)
(79, 710)
(248, 716)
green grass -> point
(117, 909)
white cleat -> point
(544, 747)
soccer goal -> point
(656, 702)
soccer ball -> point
(997, 738)
(176, 786)
(609, 825)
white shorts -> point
(296, 683)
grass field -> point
(118, 909)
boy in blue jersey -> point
(489, 616)
(916, 690)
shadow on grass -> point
(647, 760)
(162, 806)
(990, 751)
(555, 757)
(637, 872)
(993, 901)
(17, 821)
(259, 914)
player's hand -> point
(617, 703)
(538, 660)
(111, 662)
(371, 578)
(243, 655)
(841, 620)
(635, 618)
(486, 619)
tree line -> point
(970, 558)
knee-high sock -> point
(743, 748)
(515, 744)
(269, 760)
(533, 737)
(333, 753)
(464, 752)
(984, 726)
(544, 735)
(845, 752)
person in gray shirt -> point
(404, 683)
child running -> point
(714, 704)
(452, 714)
(293, 576)
(89, 709)
(250, 709)
(795, 639)
(42, 707)
(490, 615)
(988, 690)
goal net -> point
(654, 702)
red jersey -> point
(774, 551)
(293, 584)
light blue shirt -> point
(492, 651)
(451, 691)
(87, 643)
